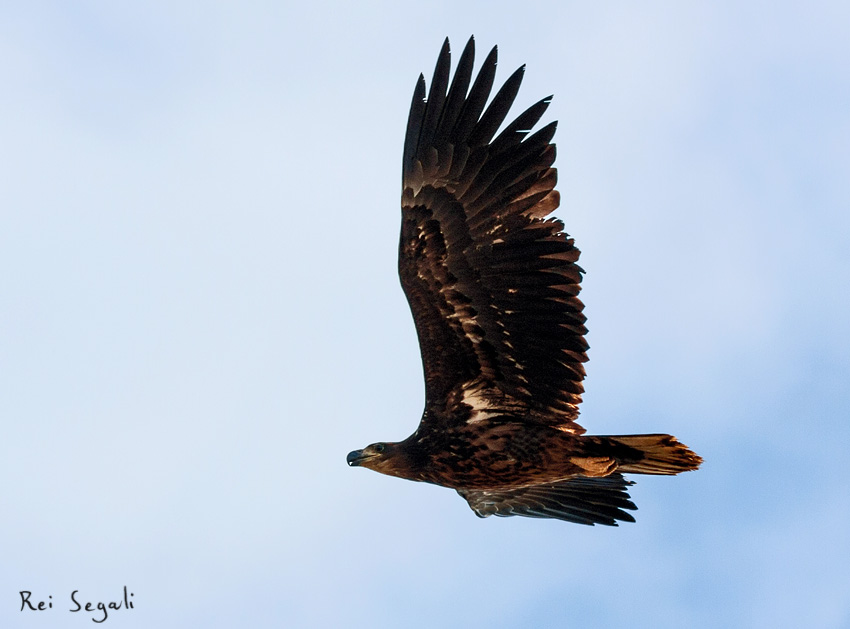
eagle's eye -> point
(378, 447)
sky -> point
(200, 314)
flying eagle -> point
(492, 284)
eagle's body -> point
(492, 284)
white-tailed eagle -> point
(493, 282)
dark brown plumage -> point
(492, 284)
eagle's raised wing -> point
(491, 282)
(583, 500)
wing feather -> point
(516, 131)
(436, 100)
(583, 500)
(477, 98)
(498, 110)
(491, 281)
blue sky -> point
(200, 315)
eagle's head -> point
(384, 457)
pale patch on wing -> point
(477, 416)
(486, 402)
(481, 406)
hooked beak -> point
(356, 457)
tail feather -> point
(662, 454)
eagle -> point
(492, 281)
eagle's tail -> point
(661, 454)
